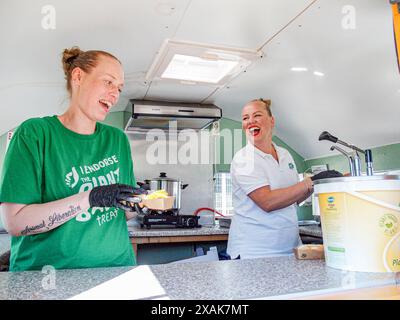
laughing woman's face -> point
(256, 122)
(99, 90)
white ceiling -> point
(358, 99)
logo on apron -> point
(291, 166)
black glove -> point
(326, 174)
(112, 196)
(143, 185)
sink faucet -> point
(354, 160)
(349, 158)
(357, 164)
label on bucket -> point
(361, 230)
(333, 229)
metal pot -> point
(172, 186)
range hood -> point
(175, 116)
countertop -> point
(136, 231)
(264, 278)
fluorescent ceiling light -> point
(299, 69)
(193, 63)
(191, 68)
(319, 74)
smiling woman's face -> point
(99, 89)
(256, 122)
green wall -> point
(384, 158)
(225, 154)
(298, 159)
(115, 119)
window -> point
(223, 193)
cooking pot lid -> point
(163, 177)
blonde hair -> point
(266, 103)
(85, 60)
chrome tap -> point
(354, 160)
(349, 158)
(357, 164)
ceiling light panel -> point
(199, 63)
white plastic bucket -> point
(360, 219)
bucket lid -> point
(357, 178)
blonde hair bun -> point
(68, 57)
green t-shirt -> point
(46, 162)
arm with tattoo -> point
(23, 220)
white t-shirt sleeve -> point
(248, 176)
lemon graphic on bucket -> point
(389, 223)
(391, 257)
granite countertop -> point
(136, 231)
(263, 278)
(167, 231)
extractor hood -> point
(173, 116)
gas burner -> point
(164, 219)
(150, 217)
(172, 212)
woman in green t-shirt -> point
(64, 176)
